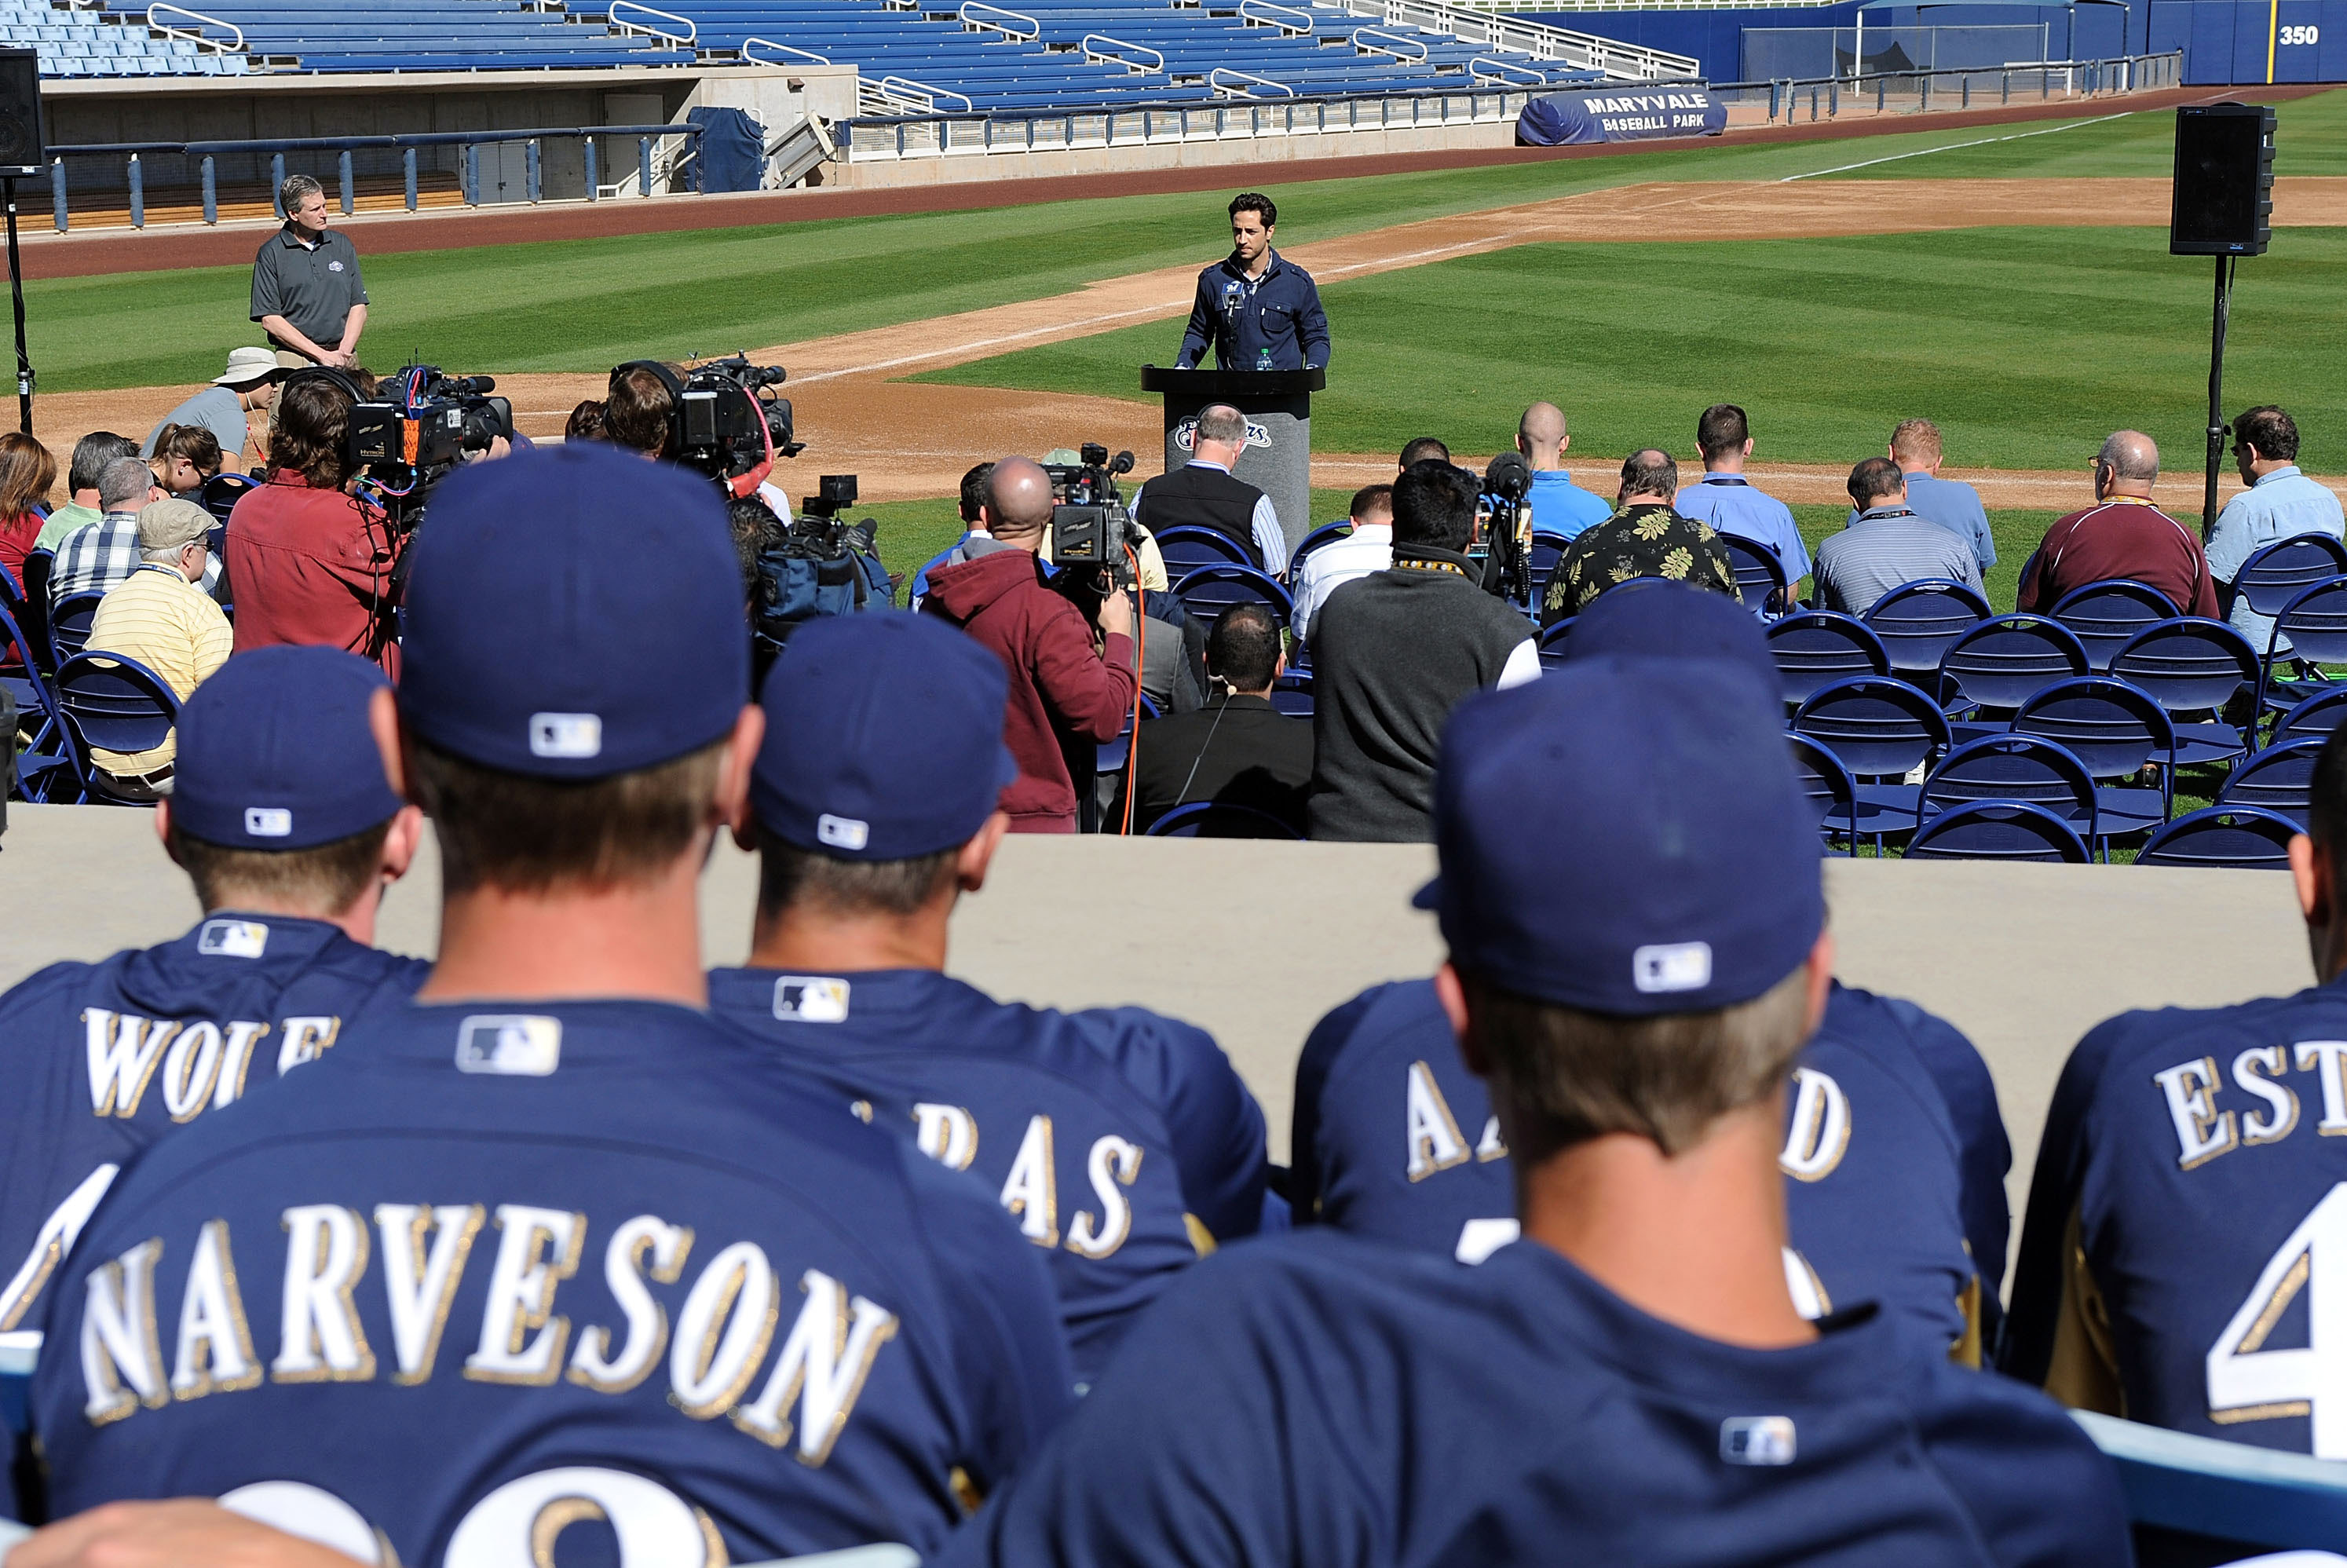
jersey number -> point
(2248, 1382)
(518, 1523)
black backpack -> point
(819, 567)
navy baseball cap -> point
(275, 752)
(1619, 837)
(883, 738)
(573, 613)
(1673, 621)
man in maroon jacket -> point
(1066, 696)
(2122, 534)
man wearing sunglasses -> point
(2280, 503)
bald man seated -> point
(1558, 506)
(2122, 534)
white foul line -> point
(1950, 147)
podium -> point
(1278, 404)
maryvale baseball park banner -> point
(1561, 119)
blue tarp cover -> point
(732, 150)
(1625, 114)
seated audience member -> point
(1635, 982)
(2280, 503)
(247, 387)
(185, 455)
(973, 523)
(1367, 548)
(158, 616)
(83, 506)
(1643, 537)
(1728, 501)
(1238, 750)
(2187, 1193)
(585, 422)
(1066, 696)
(26, 474)
(96, 556)
(2122, 534)
(1887, 546)
(1894, 1150)
(1951, 503)
(860, 1339)
(312, 565)
(1122, 1143)
(1558, 506)
(1392, 654)
(1204, 494)
(1424, 449)
(283, 821)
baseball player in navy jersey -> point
(548, 1249)
(284, 821)
(1631, 1381)
(2188, 1219)
(1122, 1143)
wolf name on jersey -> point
(1367, 1406)
(1121, 1142)
(2184, 1260)
(1394, 1138)
(104, 1058)
(601, 1267)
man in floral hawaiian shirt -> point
(1643, 537)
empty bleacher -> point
(413, 35)
(79, 44)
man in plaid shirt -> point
(96, 556)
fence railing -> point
(469, 143)
(1958, 86)
(1581, 51)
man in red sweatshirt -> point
(1066, 695)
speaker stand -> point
(17, 290)
(2216, 390)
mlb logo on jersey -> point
(518, 1045)
(268, 821)
(1671, 967)
(808, 999)
(566, 734)
(233, 940)
(1756, 1440)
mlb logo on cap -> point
(268, 821)
(1756, 1440)
(843, 831)
(1671, 967)
(565, 735)
(520, 1046)
(807, 999)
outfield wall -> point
(1255, 941)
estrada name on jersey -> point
(1335, 1400)
(2184, 1261)
(1395, 1139)
(1121, 1142)
(514, 1270)
(104, 1058)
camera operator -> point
(1067, 696)
(639, 412)
(311, 564)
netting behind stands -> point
(1774, 54)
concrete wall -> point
(878, 173)
(1255, 941)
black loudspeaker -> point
(24, 141)
(2224, 180)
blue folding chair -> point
(115, 704)
(1832, 792)
(2311, 631)
(2025, 768)
(1212, 819)
(1918, 621)
(1552, 642)
(1209, 590)
(1187, 547)
(1760, 574)
(1815, 648)
(219, 494)
(2279, 779)
(1326, 534)
(2244, 838)
(2316, 716)
(2219, 1493)
(2278, 573)
(69, 625)
(2192, 665)
(2106, 614)
(1998, 830)
(1880, 729)
(2114, 729)
(1548, 548)
(1292, 694)
(1998, 662)
(48, 768)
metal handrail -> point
(690, 37)
(1477, 70)
(1543, 41)
(1034, 29)
(1249, 12)
(1362, 33)
(1215, 80)
(1850, 82)
(171, 32)
(889, 87)
(785, 48)
(1092, 54)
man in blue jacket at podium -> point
(1260, 313)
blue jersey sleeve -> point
(1984, 1152)
(1214, 1123)
(1200, 330)
(1320, 1049)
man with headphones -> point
(311, 564)
(640, 413)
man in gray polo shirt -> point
(1888, 545)
(306, 290)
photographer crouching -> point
(309, 563)
(1066, 695)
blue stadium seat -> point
(1833, 793)
(118, 703)
(2312, 629)
(2025, 768)
(1998, 830)
(70, 626)
(2244, 837)
(1211, 819)
(2192, 665)
(1187, 547)
(1548, 548)
(2000, 661)
(2316, 716)
(1880, 729)
(1815, 648)
(1326, 534)
(1208, 590)
(1760, 574)
(1918, 621)
(2114, 729)
(2280, 779)
(2278, 573)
